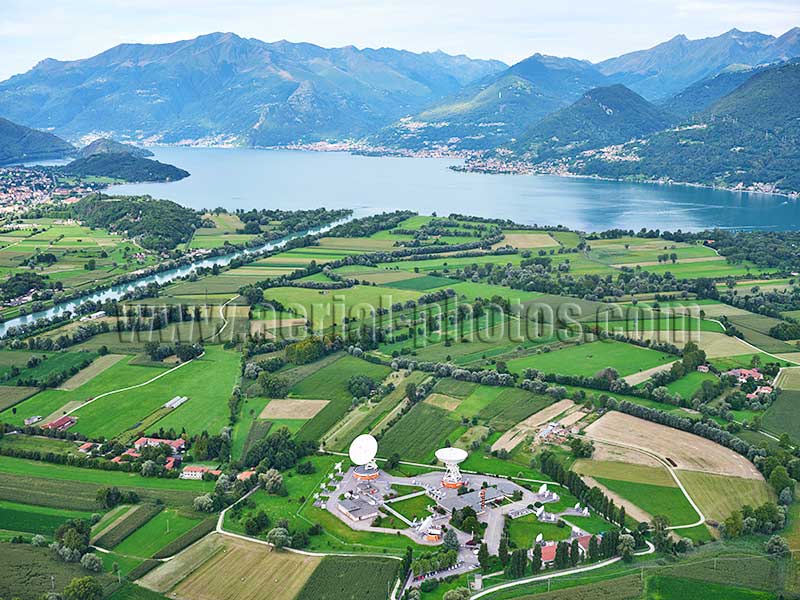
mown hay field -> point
(248, 571)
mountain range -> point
(562, 112)
(748, 139)
(221, 87)
(666, 69)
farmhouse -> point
(357, 510)
(742, 375)
(245, 475)
(760, 390)
(197, 472)
(128, 452)
(147, 442)
(62, 423)
(86, 448)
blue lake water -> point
(250, 178)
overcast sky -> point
(508, 30)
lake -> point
(250, 178)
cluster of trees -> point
(766, 519)
(310, 349)
(431, 562)
(278, 450)
(281, 223)
(366, 226)
(109, 497)
(185, 352)
(21, 283)
(155, 224)
(49, 379)
(594, 497)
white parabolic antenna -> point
(363, 450)
(451, 455)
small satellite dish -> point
(363, 449)
(451, 455)
(539, 538)
(578, 506)
(543, 488)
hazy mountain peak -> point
(222, 86)
(669, 67)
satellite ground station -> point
(452, 457)
(362, 454)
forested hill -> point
(123, 166)
(696, 98)
(109, 146)
(603, 116)
(19, 144)
(749, 139)
(155, 224)
(496, 109)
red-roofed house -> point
(62, 423)
(245, 475)
(148, 442)
(86, 448)
(583, 543)
(170, 463)
(549, 552)
(742, 375)
(128, 452)
(760, 390)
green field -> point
(330, 383)
(30, 572)
(654, 499)
(35, 519)
(673, 588)
(718, 495)
(782, 416)
(419, 433)
(166, 526)
(588, 359)
(341, 577)
(326, 307)
(524, 530)
(690, 383)
(207, 381)
(23, 468)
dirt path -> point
(93, 370)
(641, 376)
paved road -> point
(600, 565)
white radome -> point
(363, 449)
(451, 455)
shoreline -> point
(356, 149)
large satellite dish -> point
(452, 456)
(363, 450)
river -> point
(250, 178)
(117, 291)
